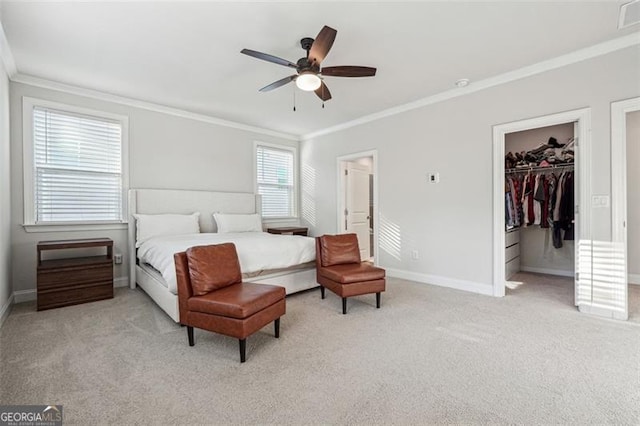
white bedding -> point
(257, 251)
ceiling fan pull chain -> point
(294, 98)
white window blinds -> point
(77, 167)
(276, 182)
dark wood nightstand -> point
(75, 280)
(289, 230)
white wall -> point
(450, 223)
(536, 244)
(6, 289)
(165, 151)
(633, 195)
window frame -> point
(29, 224)
(296, 186)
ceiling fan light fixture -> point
(308, 81)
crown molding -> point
(7, 55)
(136, 103)
(524, 72)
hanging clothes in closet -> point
(543, 198)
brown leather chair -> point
(338, 268)
(212, 296)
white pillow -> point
(155, 225)
(238, 222)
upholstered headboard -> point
(159, 201)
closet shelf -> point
(563, 167)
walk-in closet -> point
(540, 199)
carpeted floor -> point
(429, 355)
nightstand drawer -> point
(48, 299)
(65, 277)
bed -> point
(158, 281)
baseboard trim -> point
(470, 286)
(634, 279)
(21, 296)
(6, 310)
(558, 272)
(121, 282)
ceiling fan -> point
(309, 74)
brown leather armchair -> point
(212, 296)
(338, 268)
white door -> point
(357, 205)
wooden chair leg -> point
(190, 334)
(322, 292)
(243, 349)
(378, 300)
(344, 306)
(276, 326)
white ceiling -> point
(187, 54)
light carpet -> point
(430, 355)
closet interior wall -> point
(535, 251)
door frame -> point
(340, 204)
(583, 195)
(619, 112)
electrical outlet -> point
(433, 177)
(117, 258)
(415, 255)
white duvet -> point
(257, 251)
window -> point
(275, 171)
(73, 165)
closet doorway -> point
(540, 210)
(560, 249)
(357, 200)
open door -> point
(357, 205)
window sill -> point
(66, 227)
(281, 220)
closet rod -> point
(539, 168)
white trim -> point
(547, 271)
(34, 228)
(602, 312)
(28, 104)
(21, 296)
(634, 279)
(296, 181)
(471, 286)
(583, 195)
(619, 112)
(135, 103)
(121, 282)
(7, 54)
(376, 199)
(528, 71)
(6, 309)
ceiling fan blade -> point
(279, 83)
(322, 44)
(323, 92)
(349, 71)
(268, 58)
